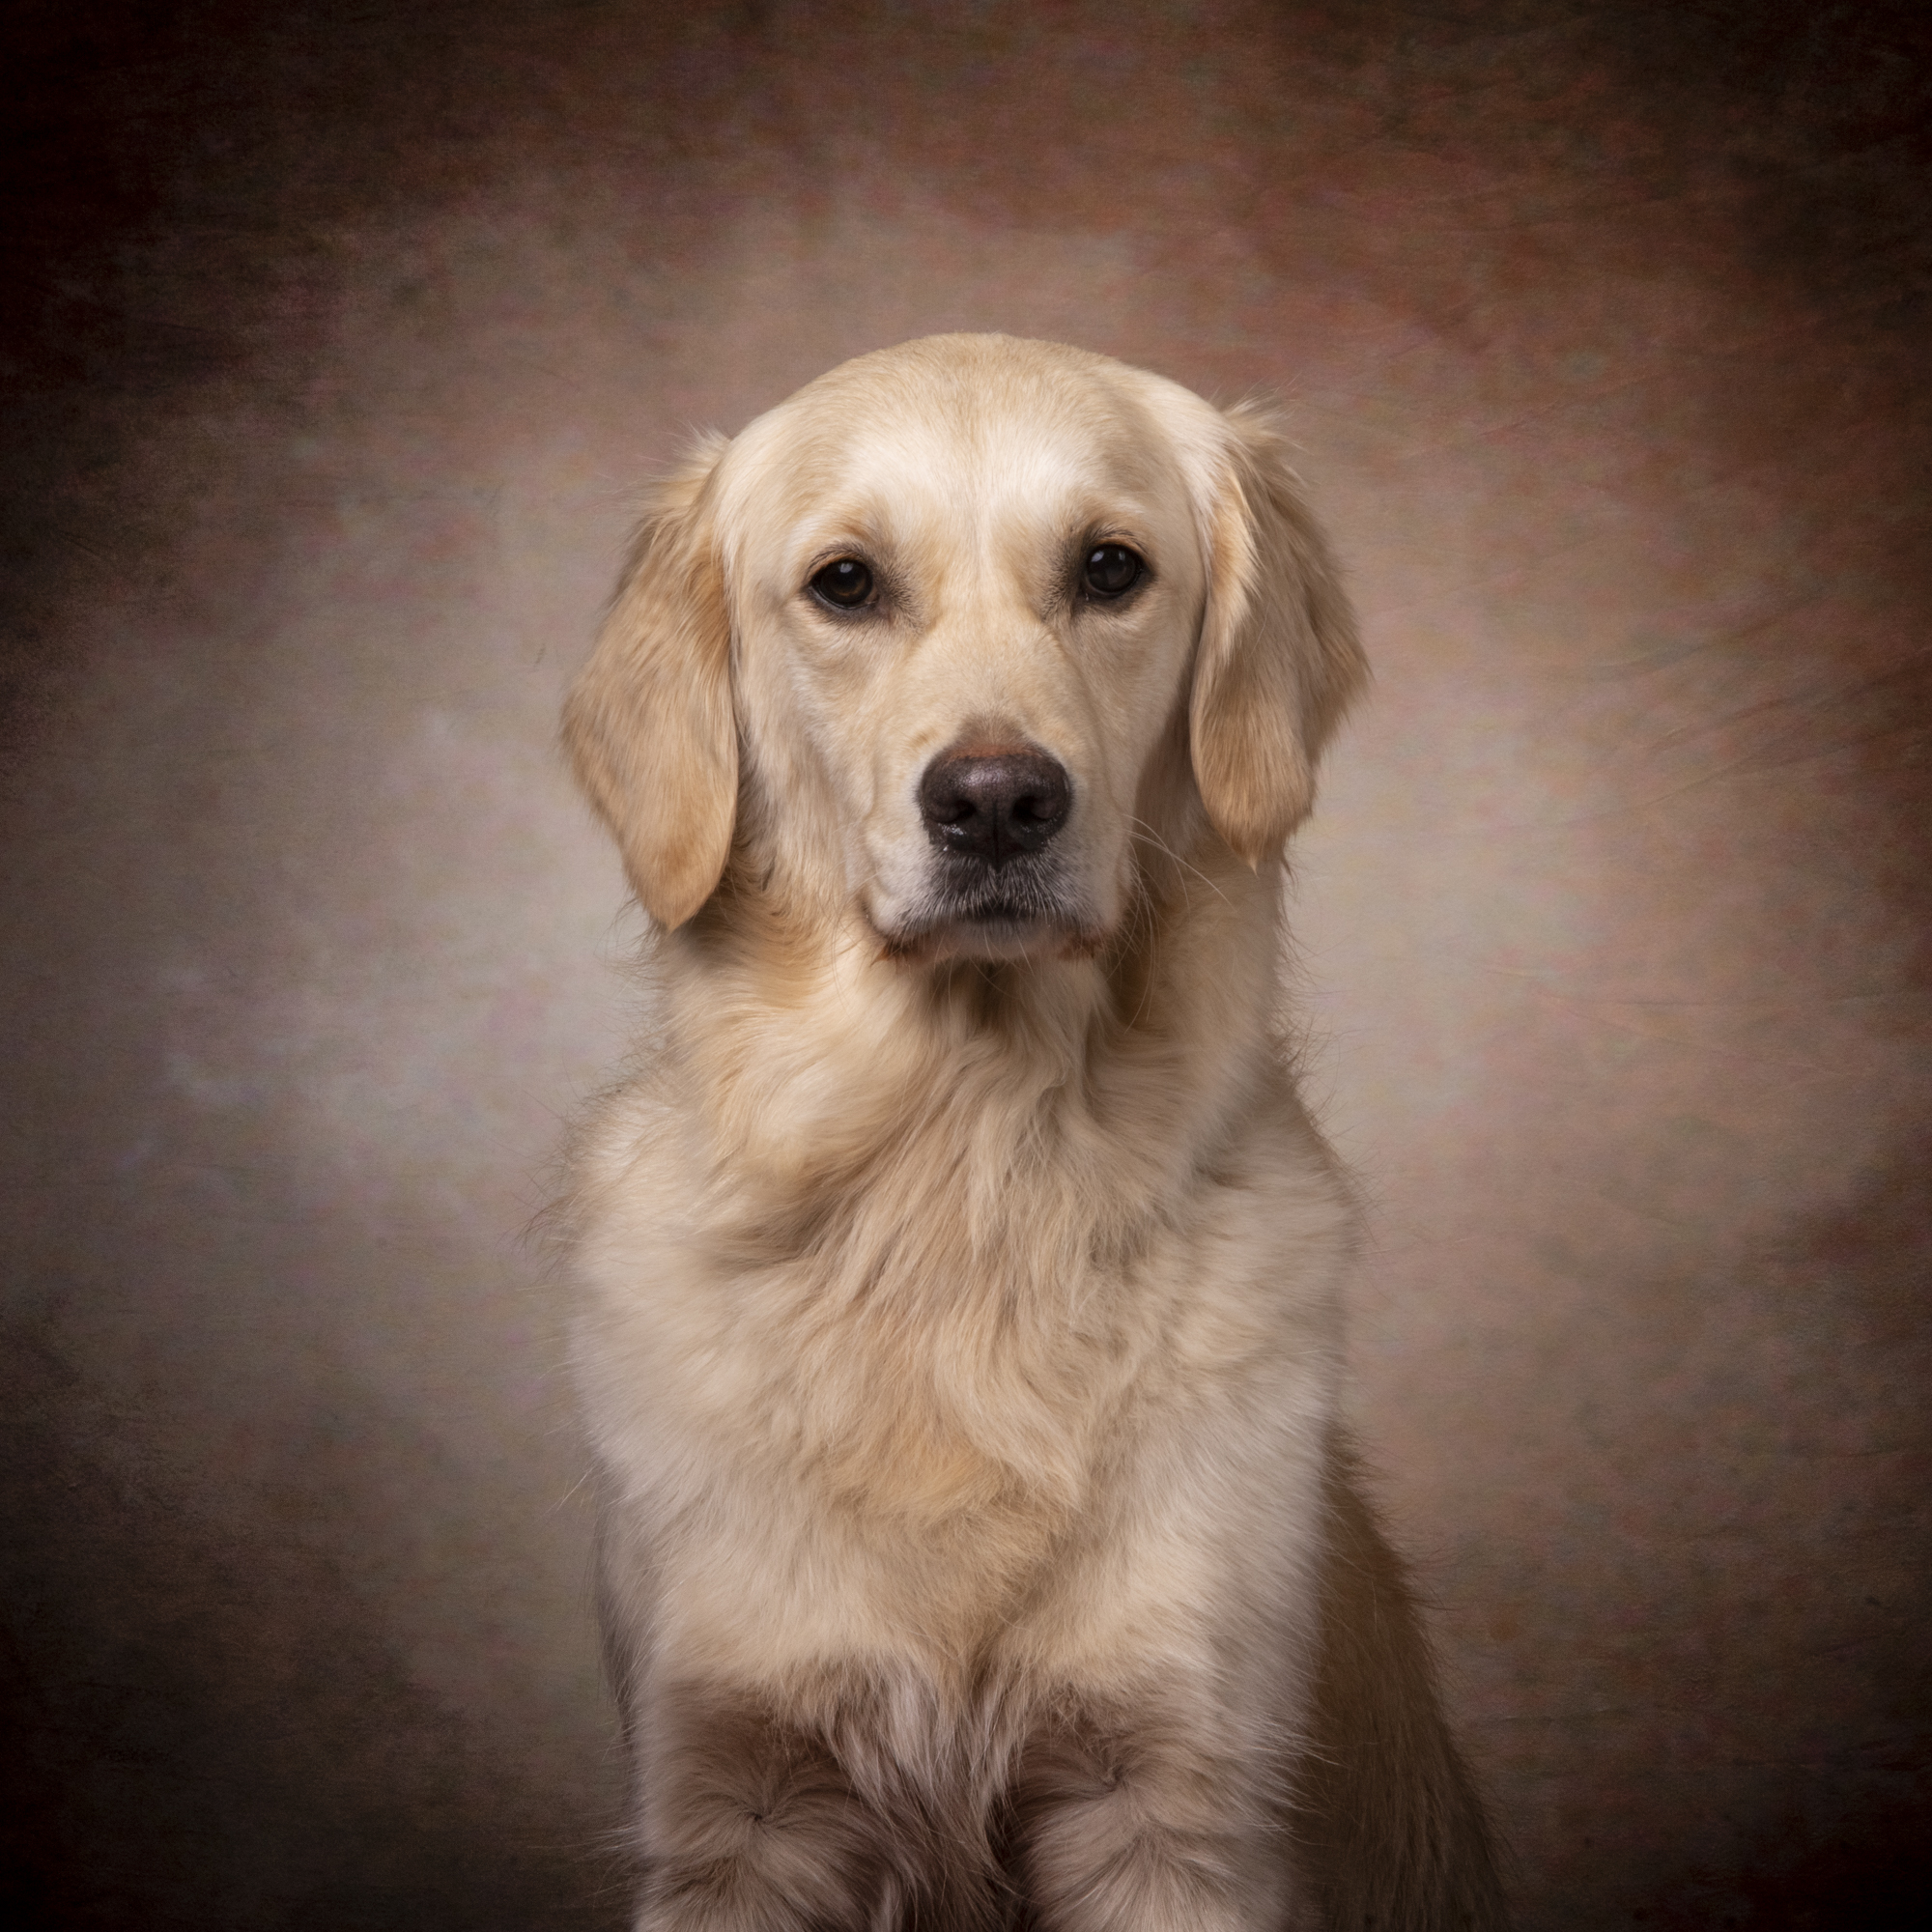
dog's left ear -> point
(1278, 661)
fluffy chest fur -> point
(920, 1291)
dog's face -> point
(966, 614)
(942, 637)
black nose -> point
(994, 807)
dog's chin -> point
(1026, 911)
(986, 932)
(986, 936)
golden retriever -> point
(962, 1344)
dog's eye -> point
(846, 582)
(1111, 570)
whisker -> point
(1160, 845)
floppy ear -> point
(1278, 662)
(648, 723)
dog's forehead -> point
(990, 445)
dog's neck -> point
(815, 1060)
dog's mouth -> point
(971, 910)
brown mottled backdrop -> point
(338, 341)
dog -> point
(961, 1334)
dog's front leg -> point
(1144, 1821)
(750, 1823)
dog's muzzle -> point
(992, 814)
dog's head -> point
(946, 637)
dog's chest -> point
(917, 1378)
(893, 1355)
(945, 1353)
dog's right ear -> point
(649, 725)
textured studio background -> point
(339, 340)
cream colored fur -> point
(961, 1332)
